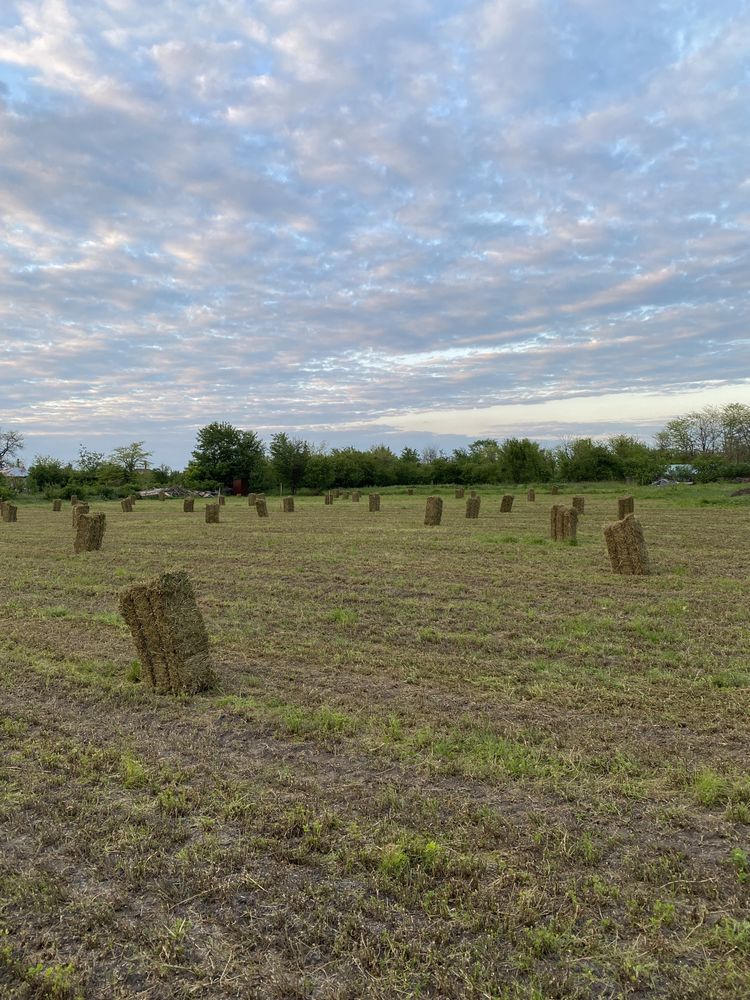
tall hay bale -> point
(374, 502)
(10, 513)
(626, 547)
(188, 505)
(162, 495)
(472, 507)
(132, 498)
(555, 490)
(287, 505)
(222, 500)
(473, 493)
(433, 511)
(251, 498)
(531, 496)
(261, 507)
(625, 506)
(555, 523)
(355, 496)
(169, 634)
(89, 532)
(3, 505)
(579, 504)
(57, 505)
(506, 504)
(410, 492)
(212, 513)
(328, 499)
(73, 499)
(78, 511)
(337, 494)
(570, 525)
(460, 493)
(126, 506)
(563, 524)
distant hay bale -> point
(78, 511)
(169, 634)
(261, 507)
(126, 506)
(472, 507)
(506, 504)
(374, 502)
(3, 505)
(555, 490)
(132, 498)
(287, 505)
(57, 505)
(188, 505)
(355, 496)
(9, 513)
(410, 492)
(162, 495)
(222, 500)
(625, 506)
(251, 498)
(570, 525)
(531, 496)
(473, 493)
(563, 524)
(89, 532)
(433, 511)
(328, 499)
(73, 500)
(578, 504)
(460, 493)
(337, 494)
(212, 513)
(626, 547)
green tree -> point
(130, 456)
(524, 461)
(289, 457)
(89, 462)
(223, 453)
(11, 442)
(47, 471)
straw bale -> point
(337, 494)
(506, 504)
(625, 506)
(555, 490)
(132, 498)
(89, 532)
(472, 507)
(261, 507)
(473, 493)
(374, 501)
(10, 513)
(460, 493)
(169, 634)
(433, 511)
(328, 499)
(212, 513)
(73, 500)
(162, 495)
(626, 547)
(578, 504)
(410, 492)
(57, 505)
(222, 500)
(570, 524)
(126, 506)
(531, 496)
(3, 505)
(188, 505)
(287, 505)
(355, 496)
(251, 498)
(78, 510)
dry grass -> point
(447, 763)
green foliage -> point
(289, 457)
(224, 453)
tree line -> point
(714, 441)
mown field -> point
(442, 762)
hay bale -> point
(132, 498)
(188, 505)
(287, 505)
(126, 506)
(563, 524)
(555, 490)
(328, 499)
(78, 511)
(57, 505)
(251, 498)
(374, 502)
(73, 500)
(531, 496)
(472, 507)
(578, 504)
(3, 505)
(506, 504)
(169, 634)
(212, 513)
(355, 496)
(473, 493)
(570, 525)
(261, 507)
(625, 506)
(337, 494)
(626, 547)
(10, 513)
(162, 495)
(222, 500)
(555, 523)
(460, 493)
(89, 532)
(410, 492)
(433, 511)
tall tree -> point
(223, 453)
(11, 442)
(290, 457)
(129, 456)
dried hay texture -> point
(287, 505)
(261, 507)
(563, 524)
(570, 525)
(73, 500)
(506, 504)
(251, 498)
(625, 506)
(472, 507)
(556, 523)
(132, 498)
(162, 495)
(337, 494)
(78, 510)
(460, 493)
(555, 490)
(433, 511)
(627, 547)
(10, 513)
(374, 502)
(328, 499)
(579, 504)
(57, 505)
(126, 506)
(410, 492)
(473, 493)
(212, 513)
(188, 505)
(89, 532)
(355, 496)
(169, 634)
(531, 496)
(3, 505)
(222, 500)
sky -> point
(405, 222)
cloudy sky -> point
(418, 221)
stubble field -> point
(443, 762)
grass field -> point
(442, 762)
